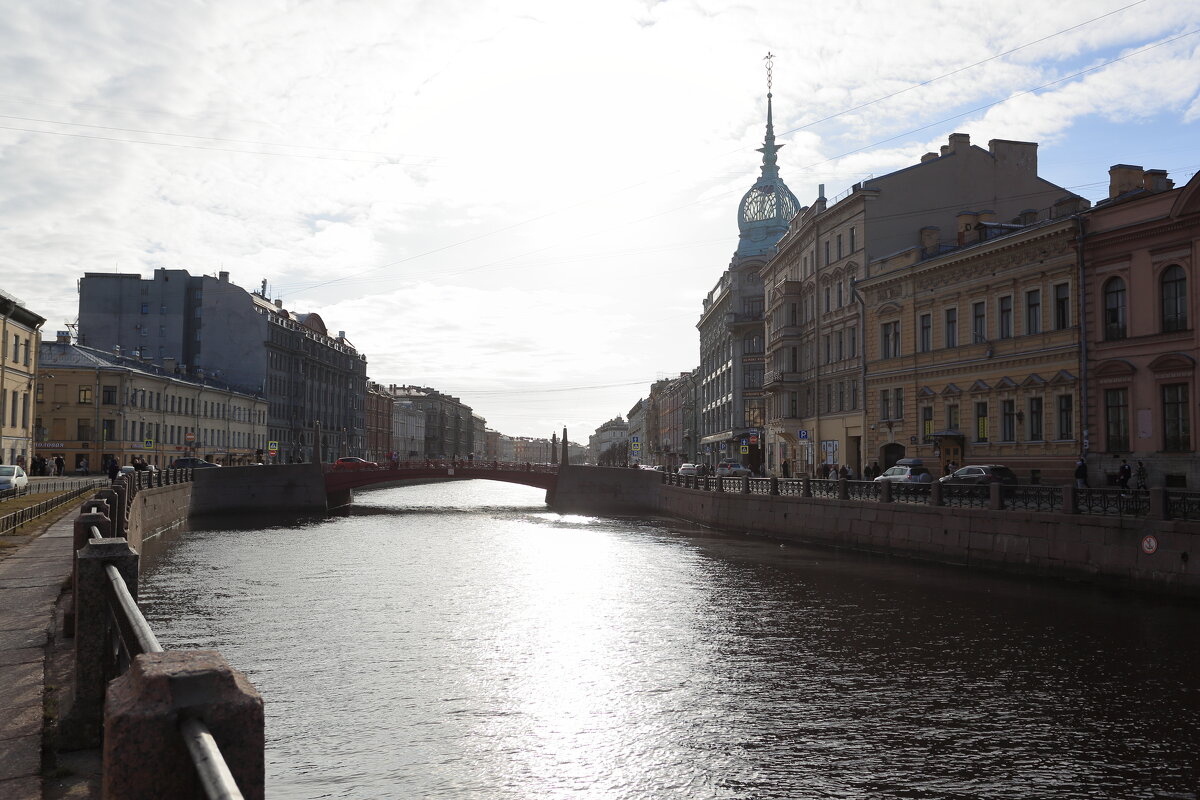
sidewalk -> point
(31, 580)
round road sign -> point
(1149, 545)
(189, 437)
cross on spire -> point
(769, 58)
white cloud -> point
(532, 195)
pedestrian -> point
(113, 469)
(59, 465)
(83, 466)
(786, 469)
(1123, 476)
(1140, 474)
(1080, 474)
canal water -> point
(460, 641)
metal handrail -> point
(138, 638)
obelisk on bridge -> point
(564, 459)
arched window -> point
(1114, 309)
(752, 343)
(1174, 299)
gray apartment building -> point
(205, 327)
(449, 423)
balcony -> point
(774, 379)
(745, 318)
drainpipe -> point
(1084, 405)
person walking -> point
(1123, 476)
(60, 465)
(114, 469)
(1140, 474)
(1080, 474)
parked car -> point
(974, 474)
(354, 463)
(732, 468)
(907, 470)
(12, 477)
(190, 462)
(687, 469)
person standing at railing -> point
(1140, 474)
(1080, 474)
(1123, 476)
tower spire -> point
(770, 165)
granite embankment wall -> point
(1103, 549)
(156, 509)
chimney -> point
(964, 223)
(929, 240)
(1018, 156)
(169, 364)
(341, 334)
(1124, 178)
(1156, 180)
(928, 157)
(279, 304)
(223, 276)
(959, 141)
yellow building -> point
(20, 335)
(93, 406)
(972, 348)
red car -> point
(354, 463)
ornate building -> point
(1140, 250)
(732, 403)
(817, 325)
(20, 337)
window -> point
(885, 404)
(1008, 420)
(825, 342)
(1033, 311)
(1034, 431)
(853, 342)
(1174, 299)
(981, 422)
(753, 376)
(841, 340)
(841, 394)
(951, 332)
(85, 395)
(952, 417)
(853, 243)
(1062, 306)
(108, 395)
(145, 308)
(83, 430)
(926, 333)
(1114, 309)
(927, 424)
(1006, 317)
(979, 322)
(853, 395)
(889, 340)
(1116, 417)
(827, 296)
(1066, 416)
(108, 430)
(826, 255)
(839, 245)
(1177, 435)
(839, 294)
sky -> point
(523, 203)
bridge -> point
(339, 480)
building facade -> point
(609, 445)
(93, 406)
(378, 404)
(1140, 250)
(449, 429)
(731, 397)
(816, 327)
(20, 340)
(203, 327)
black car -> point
(975, 474)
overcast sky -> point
(524, 203)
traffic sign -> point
(189, 437)
(803, 434)
(745, 449)
(754, 438)
(272, 445)
(148, 444)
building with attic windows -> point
(207, 328)
(731, 403)
(818, 326)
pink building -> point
(1140, 253)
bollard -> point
(1158, 503)
(995, 498)
(806, 488)
(843, 489)
(720, 484)
(745, 485)
(1070, 500)
(774, 486)
(118, 506)
(82, 534)
(885, 491)
(935, 494)
(81, 727)
(145, 755)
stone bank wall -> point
(1107, 549)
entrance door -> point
(892, 453)
(951, 451)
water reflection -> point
(458, 640)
